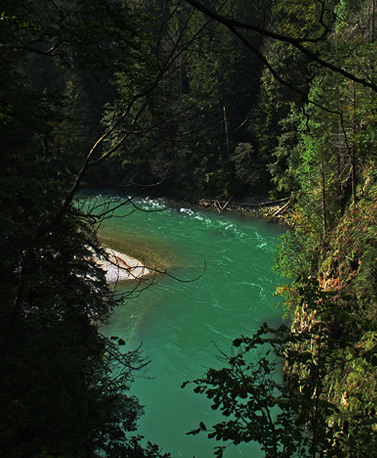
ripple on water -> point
(183, 325)
(257, 286)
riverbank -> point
(121, 267)
(273, 210)
(277, 211)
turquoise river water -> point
(182, 326)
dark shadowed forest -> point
(232, 101)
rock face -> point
(120, 267)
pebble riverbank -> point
(120, 267)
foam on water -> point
(182, 324)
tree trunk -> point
(324, 206)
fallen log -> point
(283, 208)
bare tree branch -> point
(233, 25)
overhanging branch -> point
(233, 25)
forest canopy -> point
(230, 100)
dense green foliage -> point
(242, 99)
(64, 387)
(316, 129)
(194, 138)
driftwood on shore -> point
(221, 207)
(254, 204)
(258, 204)
(283, 208)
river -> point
(182, 326)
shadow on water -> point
(182, 325)
(149, 251)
